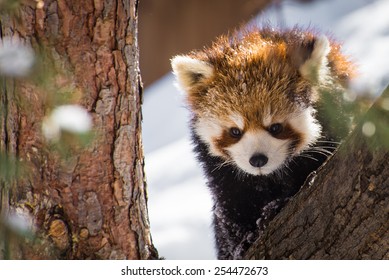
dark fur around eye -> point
(235, 132)
(275, 129)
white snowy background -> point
(179, 202)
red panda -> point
(258, 122)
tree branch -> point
(342, 211)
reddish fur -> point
(261, 53)
(225, 140)
(341, 65)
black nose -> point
(258, 160)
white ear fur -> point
(190, 71)
(315, 66)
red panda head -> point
(253, 97)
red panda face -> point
(262, 148)
(252, 103)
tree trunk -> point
(92, 202)
(342, 212)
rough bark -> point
(93, 203)
(342, 212)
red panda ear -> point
(315, 67)
(190, 72)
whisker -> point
(307, 156)
(324, 147)
(323, 150)
(320, 152)
(224, 163)
(327, 141)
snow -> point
(16, 58)
(179, 202)
(71, 118)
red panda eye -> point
(235, 132)
(275, 128)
